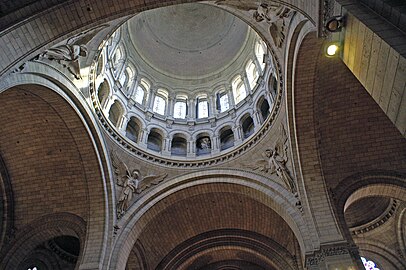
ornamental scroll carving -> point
(269, 12)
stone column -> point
(122, 124)
(143, 137)
(237, 134)
(212, 105)
(151, 97)
(215, 144)
(230, 94)
(258, 65)
(166, 147)
(248, 89)
(169, 109)
(191, 148)
(192, 109)
(135, 83)
(257, 120)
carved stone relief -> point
(130, 181)
(272, 13)
(274, 161)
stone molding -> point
(203, 162)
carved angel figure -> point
(131, 182)
(68, 56)
(274, 161)
(272, 13)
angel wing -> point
(277, 31)
(258, 165)
(281, 146)
(120, 169)
(86, 36)
(238, 4)
(150, 180)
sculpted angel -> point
(68, 56)
(131, 182)
(272, 13)
(274, 161)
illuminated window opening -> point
(202, 107)
(368, 264)
(239, 90)
(252, 74)
(180, 109)
(260, 49)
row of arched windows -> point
(180, 106)
(154, 138)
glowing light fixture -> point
(332, 49)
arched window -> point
(247, 126)
(226, 138)
(133, 129)
(118, 61)
(178, 146)
(368, 264)
(154, 140)
(103, 92)
(222, 102)
(239, 90)
(126, 77)
(260, 49)
(252, 73)
(202, 107)
(160, 102)
(263, 107)
(180, 107)
(100, 63)
(116, 113)
(141, 91)
(118, 55)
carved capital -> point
(321, 255)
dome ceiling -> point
(189, 40)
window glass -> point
(259, 53)
(180, 110)
(139, 95)
(202, 108)
(224, 104)
(123, 78)
(368, 264)
(117, 56)
(159, 105)
(239, 91)
(252, 74)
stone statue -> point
(68, 56)
(277, 164)
(274, 161)
(130, 182)
(273, 14)
(205, 143)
